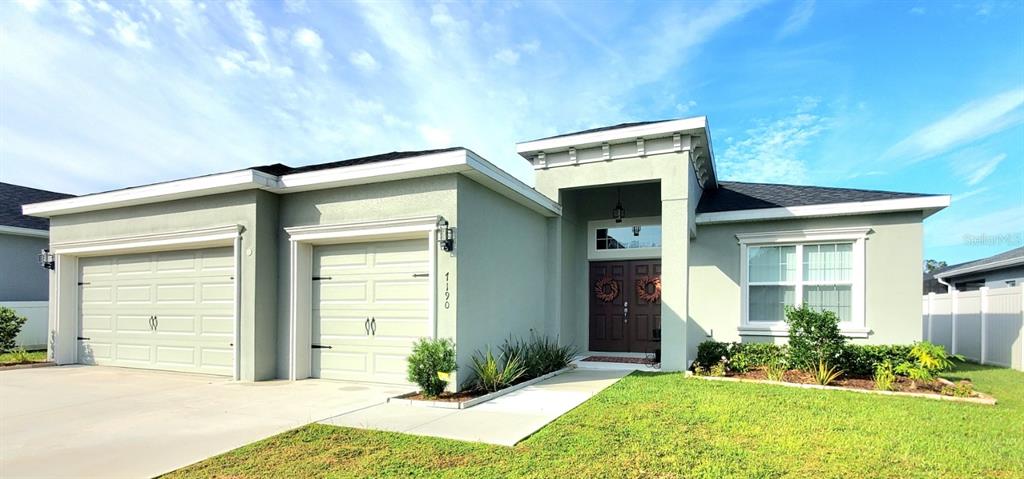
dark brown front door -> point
(625, 306)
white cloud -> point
(956, 223)
(770, 151)
(30, 6)
(363, 60)
(918, 11)
(435, 137)
(798, 18)
(80, 17)
(296, 6)
(684, 108)
(128, 31)
(507, 56)
(531, 46)
(969, 194)
(974, 170)
(309, 40)
(967, 124)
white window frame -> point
(856, 327)
(627, 253)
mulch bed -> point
(447, 396)
(802, 377)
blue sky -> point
(906, 96)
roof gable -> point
(735, 196)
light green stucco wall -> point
(503, 266)
(435, 195)
(189, 214)
(893, 255)
(674, 173)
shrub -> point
(825, 374)
(540, 355)
(740, 362)
(492, 375)
(429, 361)
(739, 356)
(962, 389)
(863, 360)
(814, 337)
(10, 325)
(710, 353)
(926, 361)
(884, 376)
(718, 369)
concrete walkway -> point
(104, 422)
(503, 421)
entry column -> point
(674, 270)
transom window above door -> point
(632, 238)
(822, 269)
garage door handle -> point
(83, 339)
(373, 325)
(321, 346)
(367, 326)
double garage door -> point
(168, 310)
(175, 310)
(370, 303)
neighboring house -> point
(1003, 270)
(23, 281)
(629, 244)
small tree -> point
(430, 363)
(814, 337)
(10, 325)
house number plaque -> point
(447, 293)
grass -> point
(666, 425)
(7, 359)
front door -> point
(625, 306)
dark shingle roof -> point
(734, 195)
(394, 155)
(604, 128)
(11, 199)
(1016, 253)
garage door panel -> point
(190, 292)
(369, 280)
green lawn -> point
(33, 357)
(666, 425)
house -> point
(629, 244)
(23, 282)
(1003, 270)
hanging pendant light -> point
(619, 211)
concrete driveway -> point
(91, 421)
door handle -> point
(367, 326)
(373, 325)
(156, 323)
(152, 323)
(625, 311)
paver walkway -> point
(503, 421)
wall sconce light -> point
(46, 259)
(636, 230)
(445, 236)
(618, 212)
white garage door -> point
(370, 303)
(170, 310)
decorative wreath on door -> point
(606, 289)
(648, 288)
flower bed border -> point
(981, 399)
(477, 400)
(39, 364)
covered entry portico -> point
(654, 170)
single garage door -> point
(370, 303)
(169, 310)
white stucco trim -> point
(856, 327)
(14, 230)
(168, 191)
(928, 204)
(585, 140)
(197, 238)
(65, 316)
(302, 239)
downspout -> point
(949, 287)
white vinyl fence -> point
(986, 325)
(33, 333)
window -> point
(633, 238)
(790, 268)
(629, 237)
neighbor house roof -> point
(280, 178)
(11, 199)
(739, 201)
(1005, 259)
